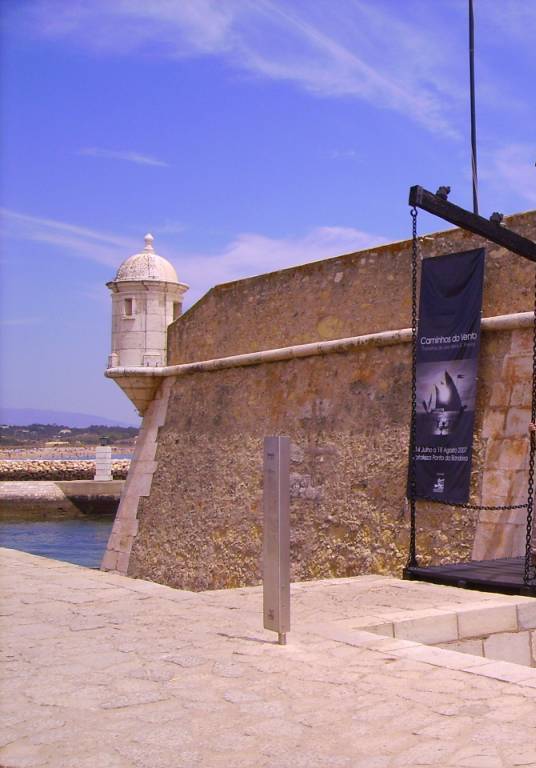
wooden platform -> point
(505, 575)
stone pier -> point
(48, 500)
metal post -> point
(276, 539)
(473, 109)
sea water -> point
(75, 541)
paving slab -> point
(105, 671)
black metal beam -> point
(422, 198)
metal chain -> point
(412, 557)
(530, 566)
(446, 502)
(530, 570)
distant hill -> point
(21, 417)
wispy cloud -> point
(345, 154)
(515, 18)
(343, 53)
(170, 227)
(81, 242)
(130, 157)
(20, 321)
(386, 55)
(511, 167)
(95, 293)
(245, 255)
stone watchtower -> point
(146, 298)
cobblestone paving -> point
(101, 671)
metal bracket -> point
(491, 230)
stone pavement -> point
(102, 671)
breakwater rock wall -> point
(58, 470)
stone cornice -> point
(140, 383)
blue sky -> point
(246, 135)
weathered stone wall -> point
(138, 483)
(506, 408)
(347, 415)
(350, 295)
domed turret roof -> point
(147, 265)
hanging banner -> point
(448, 344)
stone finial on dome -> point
(148, 242)
(147, 265)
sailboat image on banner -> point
(444, 406)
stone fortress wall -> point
(196, 521)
